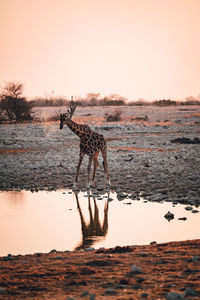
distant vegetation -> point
(95, 99)
(14, 107)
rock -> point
(182, 219)
(53, 251)
(174, 296)
(84, 294)
(169, 216)
(108, 284)
(184, 140)
(128, 176)
(121, 196)
(153, 243)
(135, 270)
(89, 249)
(100, 188)
(8, 257)
(124, 281)
(195, 211)
(110, 291)
(195, 258)
(144, 295)
(188, 207)
(190, 292)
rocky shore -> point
(145, 157)
(158, 271)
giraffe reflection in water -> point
(93, 230)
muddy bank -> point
(157, 271)
(141, 157)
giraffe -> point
(94, 230)
(91, 144)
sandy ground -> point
(141, 157)
(158, 271)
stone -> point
(182, 219)
(135, 270)
(84, 294)
(190, 292)
(174, 296)
(169, 216)
(188, 207)
(195, 258)
(110, 291)
(89, 249)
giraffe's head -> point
(68, 114)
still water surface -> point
(62, 220)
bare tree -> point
(93, 98)
(13, 89)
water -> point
(61, 220)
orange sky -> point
(137, 48)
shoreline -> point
(133, 272)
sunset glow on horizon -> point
(139, 49)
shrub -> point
(113, 117)
(13, 106)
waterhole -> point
(62, 220)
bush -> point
(113, 117)
(13, 106)
(164, 102)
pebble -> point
(188, 207)
(110, 291)
(182, 219)
(169, 216)
(121, 196)
(100, 188)
(195, 258)
(195, 211)
(89, 249)
(135, 269)
(190, 292)
(153, 243)
(84, 294)
(53, 251)
(174, 296)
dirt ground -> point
(138, 272)
(141, 155)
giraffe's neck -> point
(78, 129)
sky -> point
(146, 49)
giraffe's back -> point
(93, 143)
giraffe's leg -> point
(95, 159)
(105, 163)
(79, 165)
(89, 168)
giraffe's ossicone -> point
(91, 144)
